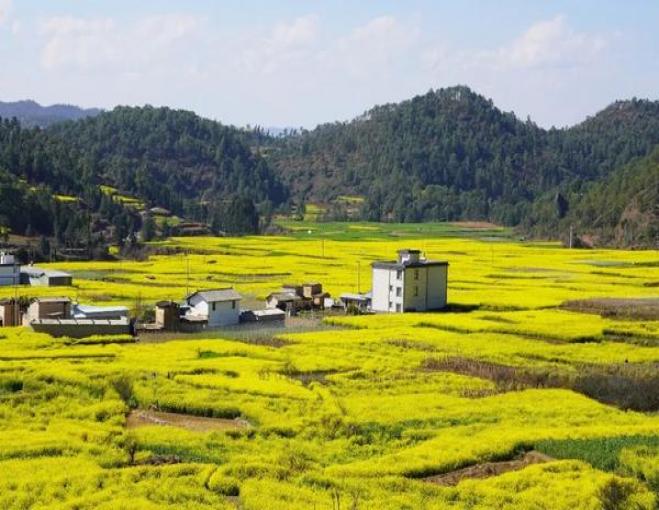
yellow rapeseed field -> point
(354, 412)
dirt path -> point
(143, 418)
(489, 469)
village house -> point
(409, 284)
(9, 270)
(219, 307)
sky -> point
(294, 63)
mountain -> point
(31, 114)
(451, 154)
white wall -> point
(224, 313)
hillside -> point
(170, 157)
(451, 154)
(148, 157)
(447, 155)
(623, 209)
(31, 114)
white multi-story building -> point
(409, 284)
(10, 271)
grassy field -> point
(355, 413)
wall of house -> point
(416, 289)
(82, 329)
(47, 310)
(9, 275)
(385, 290)
(425, 288)
(437, 278)
(224, 313)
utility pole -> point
(571, 234)
(187, 276)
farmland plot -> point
(362, 413)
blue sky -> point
(299, 63)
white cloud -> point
(90, 43)
(377, 44)
(550, 43)
(286, 45)
(5, 9)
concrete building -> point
(409, 284)
(10, 273)
(48, 308)
(38, 277)
(219, 307)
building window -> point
(233, 305)
(416, 291)
(391, 305)
(213, 306)
(398, 308)
(399, 291)
(399, 274)
(391, 288)
(416, 274)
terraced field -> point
(364, 412)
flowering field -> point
(357, 413)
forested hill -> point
(55, 181)
(31, 114)
(623, 208)
(447, 155)
(172, 158)
(451, 154)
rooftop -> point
(38, 271)
(394, 264)
(216, 295)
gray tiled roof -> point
(214, 296)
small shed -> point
(361, 301)
(168, 315)
(38, 277)
(48, 308)
(10, 313)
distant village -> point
(411, 283)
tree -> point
(148, 228)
